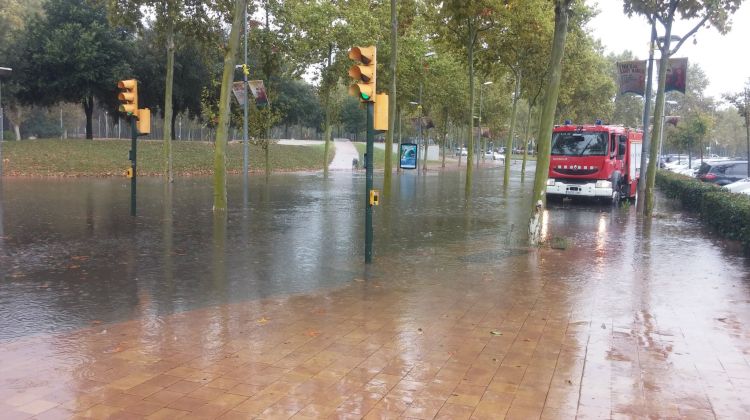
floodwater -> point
(653, 309)
(72, 254)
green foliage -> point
(71, 53)
(728, 213)
(353, 118)
(72, 158)
(298, 104)
(41, 125)
(690, 134)
(689, 191)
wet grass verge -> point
(726, 212)
(73, 158)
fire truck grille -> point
(576, 171)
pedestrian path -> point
(344, 154)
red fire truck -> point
(601, 161)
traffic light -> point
(128, 96)
(380, 112)
(363, 73)
(144, 121)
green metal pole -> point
(133, 154)
(368, 183)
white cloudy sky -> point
(724, 58)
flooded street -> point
(270, 313)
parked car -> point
(722, 172)
(739, 186)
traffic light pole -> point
(368, 182)
(133, 154)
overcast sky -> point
(724, 58)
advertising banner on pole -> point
(676, 79)
(632, 77)
(408, 155)
(259, 92)
(238, 88)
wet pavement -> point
(271, 314)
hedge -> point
(728, 213)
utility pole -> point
(646, 117)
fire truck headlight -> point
(603, 184)
(550, 182)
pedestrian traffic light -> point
(364, 73)
(128, 96)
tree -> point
(14, 14)
(392, 65)
(172, 18)
(222, 130)
(71, 54)
(730, 134)
(519, 42)
(319, 35)
(715, 13)
(691, 134)
(298, 104)
(562, 14)
(462, 22)
(442, 90)
(741, 101)
(587, 87)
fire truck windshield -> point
(579, 144)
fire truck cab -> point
(597, 160)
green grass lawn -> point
(110, 157)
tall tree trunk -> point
(526, 142)
(222, 130)
(648, 202)
(326, 138)
(445, 133)
(509, 141)
(400, 133)
(173, 124)
(169, 83)
(88, 109)
(562, 11)
(268, 158)
(470, 129)
(387, 176)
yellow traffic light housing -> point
(364, 73)
(128, 96)
(144, 121)
(380, 112)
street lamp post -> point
(4, 71)
(479, 135)
(661, 129)
(421, 110)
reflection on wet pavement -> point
(269, 312)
